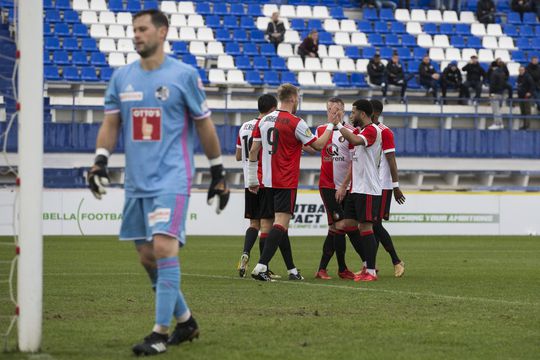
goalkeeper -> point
(158, 103)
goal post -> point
(30, 97)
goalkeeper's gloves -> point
(98, 176)
(218, 186)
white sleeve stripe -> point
(389, 150)
(256, 139)
(113, 111)
(203, 116)
(365, 140)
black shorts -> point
(362, 207)
(386, 200)
(252, 208)
(334, 210)
(277, 201)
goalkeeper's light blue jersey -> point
(157, 110)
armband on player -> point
(395, 184)
(252, 173)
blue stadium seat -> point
(408, 40)
(204, 76)
(150, 4)
(116, 5)
(523, 44)
(268, 50)
(298, 24)
(412, 66)
(223, 35)
(370, 14)
(53, 16)
(535, 44)
(430, 29)
(52, 73)
(386, 52)
(240, 35)
(537, 30)
(289, 77)
(243, 63)
(352, 52)
(46, 57)
(260, 63)
(271, 78)
(203, 9)
(80, 31)
(71, 17)
(220, 9)
(190, 60)
(325, 38)
(519, 56)
(510, 30)
(397, 28)
(70, 44)
(230, 22)
(375, 39)
(179, 47)
(62, 30)
(386, 14)
(364, 26)
(392, 40)
(368, 53)
(358, 80)
(446, 29)
(404, 53)
(247, 23)
(463, 29)
(413, 83)
(457, 42)
(47, 4)
(60, 57)
(89, 74)
(133, 6)
(254, 10)
(341, 80)
(381, 27)
(337, 13)
(529, 18)
(237, 9)
(79, 58)
(212, 21)
(278, 63)
(89, 44)
(105, 73)
(257, 36)
(513, 18)
(47, 29)
(71, 73)
(525, 31)
(314, 24)
(98, 59)
(62, 4)
(233, 48)
(254, 78)
(474, 42)
(250, 49)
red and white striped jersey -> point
(243, 142)
(282, 135)
(365, 162)
(388, 146)
(335, 159)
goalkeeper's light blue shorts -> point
(144, 217)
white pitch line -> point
(341, 287)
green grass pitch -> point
(460, 298)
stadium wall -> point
(76, 212)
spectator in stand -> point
(429, 78)
(275, 30)
(310, 46)
(377, 73)
(379, 4)
(497, 85)
(522, 6)
(498, 63)
(447, 5)
(534, 70)
(525, 87)
(451, 79)
(406, 4)
(396, 76)
(537, 8)
(485, 11)
(475, 78)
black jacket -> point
(534, 71)
(493, 66)
(452, 76)
(425, 71)
(375, 71)
(525, 84)
(308, 46)
(524, 6)
(497, 81)
(475, 72)
(273, 27)
(485, 7)
(394, 72)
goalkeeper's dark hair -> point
(336, 100)
(158, 18)
(364, 105)
(266, 102)
(377, 106)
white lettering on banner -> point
(76, 212)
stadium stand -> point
(84, 40)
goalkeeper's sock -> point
(168, 288)
(152, 274)
(249, 240)
(181, 310)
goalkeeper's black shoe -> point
(188, 330)
(153, 344)
(296, 276)
(262, 276)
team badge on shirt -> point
(308, 132)
(146, 124)
(162, 93)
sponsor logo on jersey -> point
(131, 96)
(159, 215)
(146, 124)
(162, 93)
(341, 139)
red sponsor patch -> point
(146, 124)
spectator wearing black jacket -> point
(485, 11)
(533, 68)
(522, 6)
(451, 79)
(474, 79)
(429, 78)
(497, 85)
(275, 30)
(396, 76)
(525, 87)
(310, 46)
(498, 63)
(377, 73)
